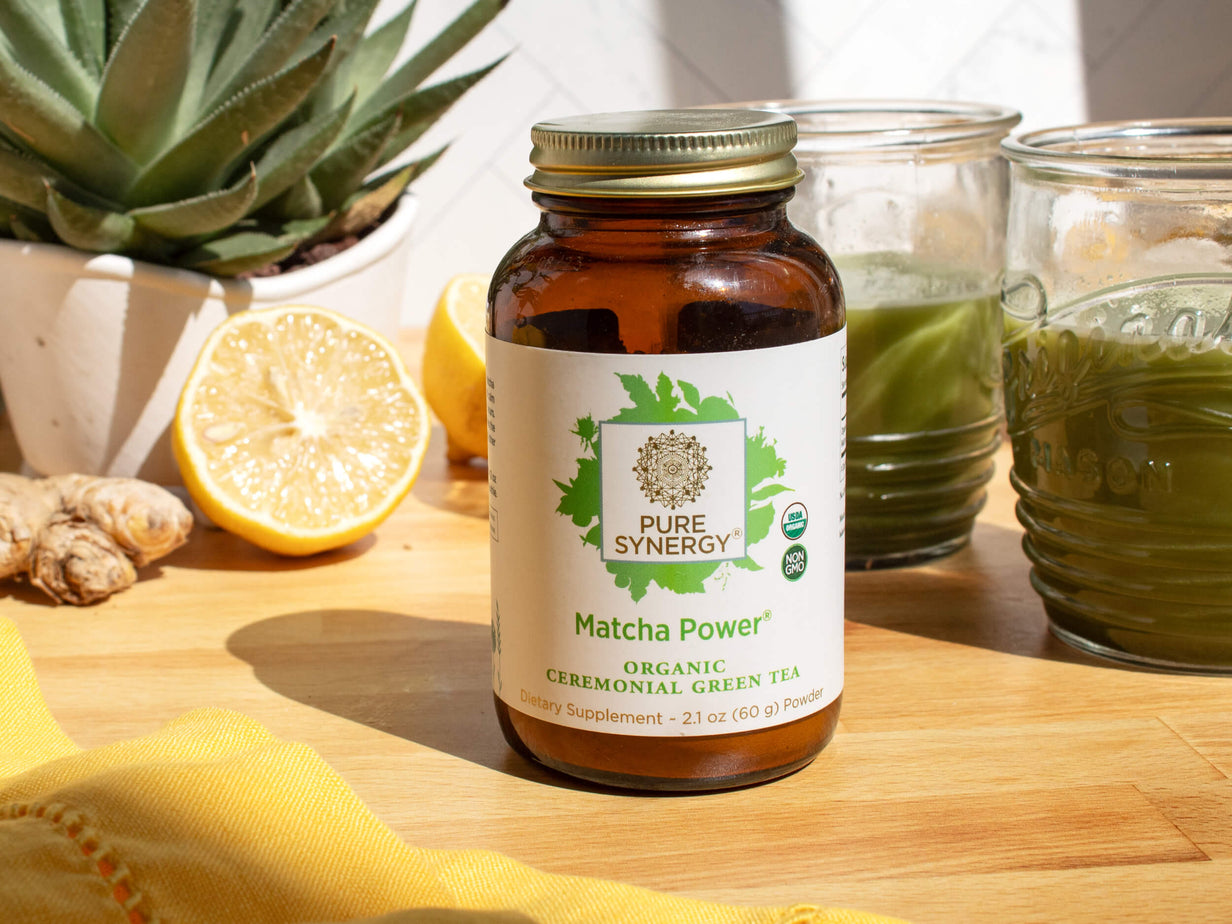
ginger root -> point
(81, 538)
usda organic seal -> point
(794, 521)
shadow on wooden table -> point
(458, 487)
(980, 596)
(425, 680)
(21, 589)
(461, 488)
(213, 549)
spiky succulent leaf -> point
(377, 52)
(247, 21)
(145, 76)
(410, 170)
(23, 180)
(88, 228)
(421, 110)
(419, 66)
(196, 164)
(277, 47)
(348, 21)
(367, 205)
(31, 228)
(33, 218)
(344, 168)
(246, 251)
(301, 201)
(40, 120)
(242, 252)
(201, 215)
(119, 14)
(85, 30)
(212, 19)
(360, 66)
(50, 14)
(33, 45)
(289, 158)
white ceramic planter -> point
(94, 349)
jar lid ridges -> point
(682, 152)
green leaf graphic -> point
(769, 491)
(587, 432)
(692, 397)
(579, 499)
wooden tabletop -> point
(982, 771)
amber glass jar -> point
(666, 360)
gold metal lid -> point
(666, 152)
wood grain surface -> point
(982, 772)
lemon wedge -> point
(453, 366)
(298, 429)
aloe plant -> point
(219, 135)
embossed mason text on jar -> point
(1118, 382)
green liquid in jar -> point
(923, 407)
(1120, 418)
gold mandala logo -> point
(672, 469)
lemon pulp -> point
(299, 429)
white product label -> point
(667, 536)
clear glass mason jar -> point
(665, 458)
(908, 197)
(1118, 380)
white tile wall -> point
(1058, 61)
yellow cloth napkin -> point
(213, 819)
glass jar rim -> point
(1149, 149)
(863, 124)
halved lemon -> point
(453, 366)
(299, 429)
